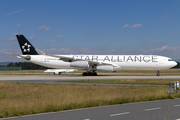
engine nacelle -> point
(105, 68)
(81, 64)
(57, 73)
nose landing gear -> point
(158, 73)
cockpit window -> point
(169, 59)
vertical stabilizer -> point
(26, 47)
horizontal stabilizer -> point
(13, 54)
(22, 57)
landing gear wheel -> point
(94, 74)
(84, 74)
(89, 74)
(158, 73)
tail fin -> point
(26, 47)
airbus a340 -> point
(92, 63)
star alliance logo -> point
(26, 47)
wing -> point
(66, 59)
(40, 52)
(70, 59)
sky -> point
(96, 27)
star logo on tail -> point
(26, 47)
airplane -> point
(92, 63)
(59, 71)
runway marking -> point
(86, 119)
(178, 119)
(176, 105)
(152, 109)
(119, 114)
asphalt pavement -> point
(75, 77)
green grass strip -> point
(23, 99)
(146, 82)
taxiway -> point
(75, 77)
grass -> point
(144, 82)
(22, 99)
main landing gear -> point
(89, 74)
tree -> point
(11, 64)
(30, 66)
(178, 65)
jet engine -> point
(105, 68)
(81, 64)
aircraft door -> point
(161, 61)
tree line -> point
(27, 66)
(32, 66)
(178, 65)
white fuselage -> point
(120, 62)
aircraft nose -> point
(174, 63)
